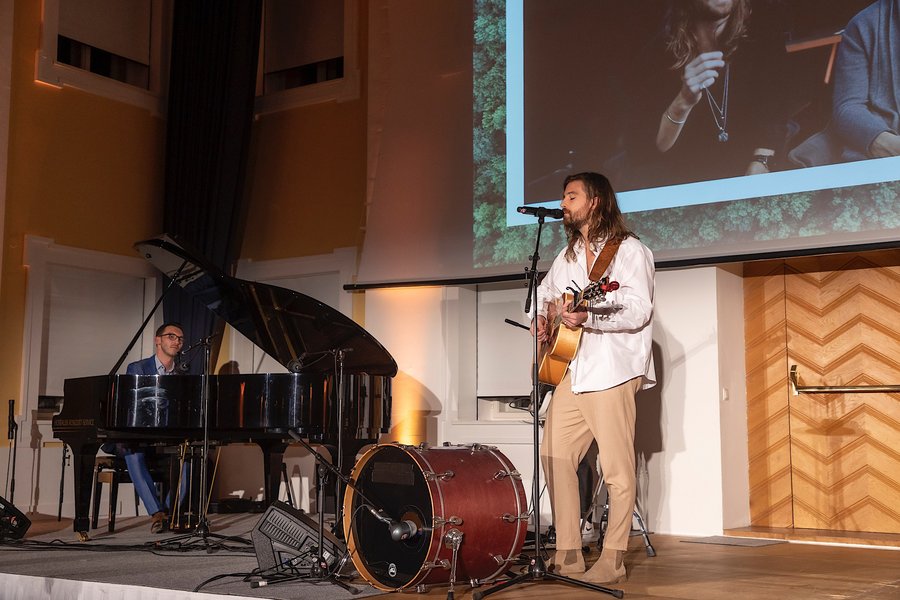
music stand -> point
(537, 570)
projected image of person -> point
(865, 116)
(710, 99)
(595, 400)
(867, 83)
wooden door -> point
(841, 324)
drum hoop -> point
(434, 490)
(348, 519)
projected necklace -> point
(720, 112)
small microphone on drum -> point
(400, 531)
(403, 530)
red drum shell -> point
(434, 487)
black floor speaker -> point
(13, 524)
(286, 540)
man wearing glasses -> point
(169, 340)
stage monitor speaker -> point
(13, 524)
(286, 539)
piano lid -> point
(296, 330)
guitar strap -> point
(602, 262)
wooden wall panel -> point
(824, 461)
(767, 395)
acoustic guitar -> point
(560, 349)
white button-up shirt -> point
(617, 339)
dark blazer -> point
(146, 366)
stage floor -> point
(112, 565)
(128, 564)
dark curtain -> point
(212, 83)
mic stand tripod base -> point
(537, 571)
(320, 571)
(202, 533)
(202, 528)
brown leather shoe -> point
(159, 522)
(609, 568)
(567, 562)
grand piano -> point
(334, 367)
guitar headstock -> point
(598, 290)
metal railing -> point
(837, 389)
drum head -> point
(391, 479)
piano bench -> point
(110, 470)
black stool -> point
(111, 470)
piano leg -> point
(84, 455)
(273, 457)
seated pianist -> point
(169, 340)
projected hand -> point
(886, 144)
(699, 74)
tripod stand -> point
(320, 570)
(537, 570)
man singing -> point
(596, 398)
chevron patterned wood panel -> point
(843, 328)
(824, 461)
(771, 502)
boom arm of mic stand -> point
(323, 461)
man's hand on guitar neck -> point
(571, 319)
(575, 318)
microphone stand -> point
(202, 530)
(13, 435)
(320, 571)
(202, 520)
(537, 569)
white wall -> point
(691, 434)
(96, 298)
(686, 430)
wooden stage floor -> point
(735, 568)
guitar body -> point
(560, 351)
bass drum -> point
(473, 490)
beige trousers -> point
(573, 422)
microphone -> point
(540, 211)
(402, 530)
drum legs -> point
(452, 540)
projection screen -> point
(548, 88)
